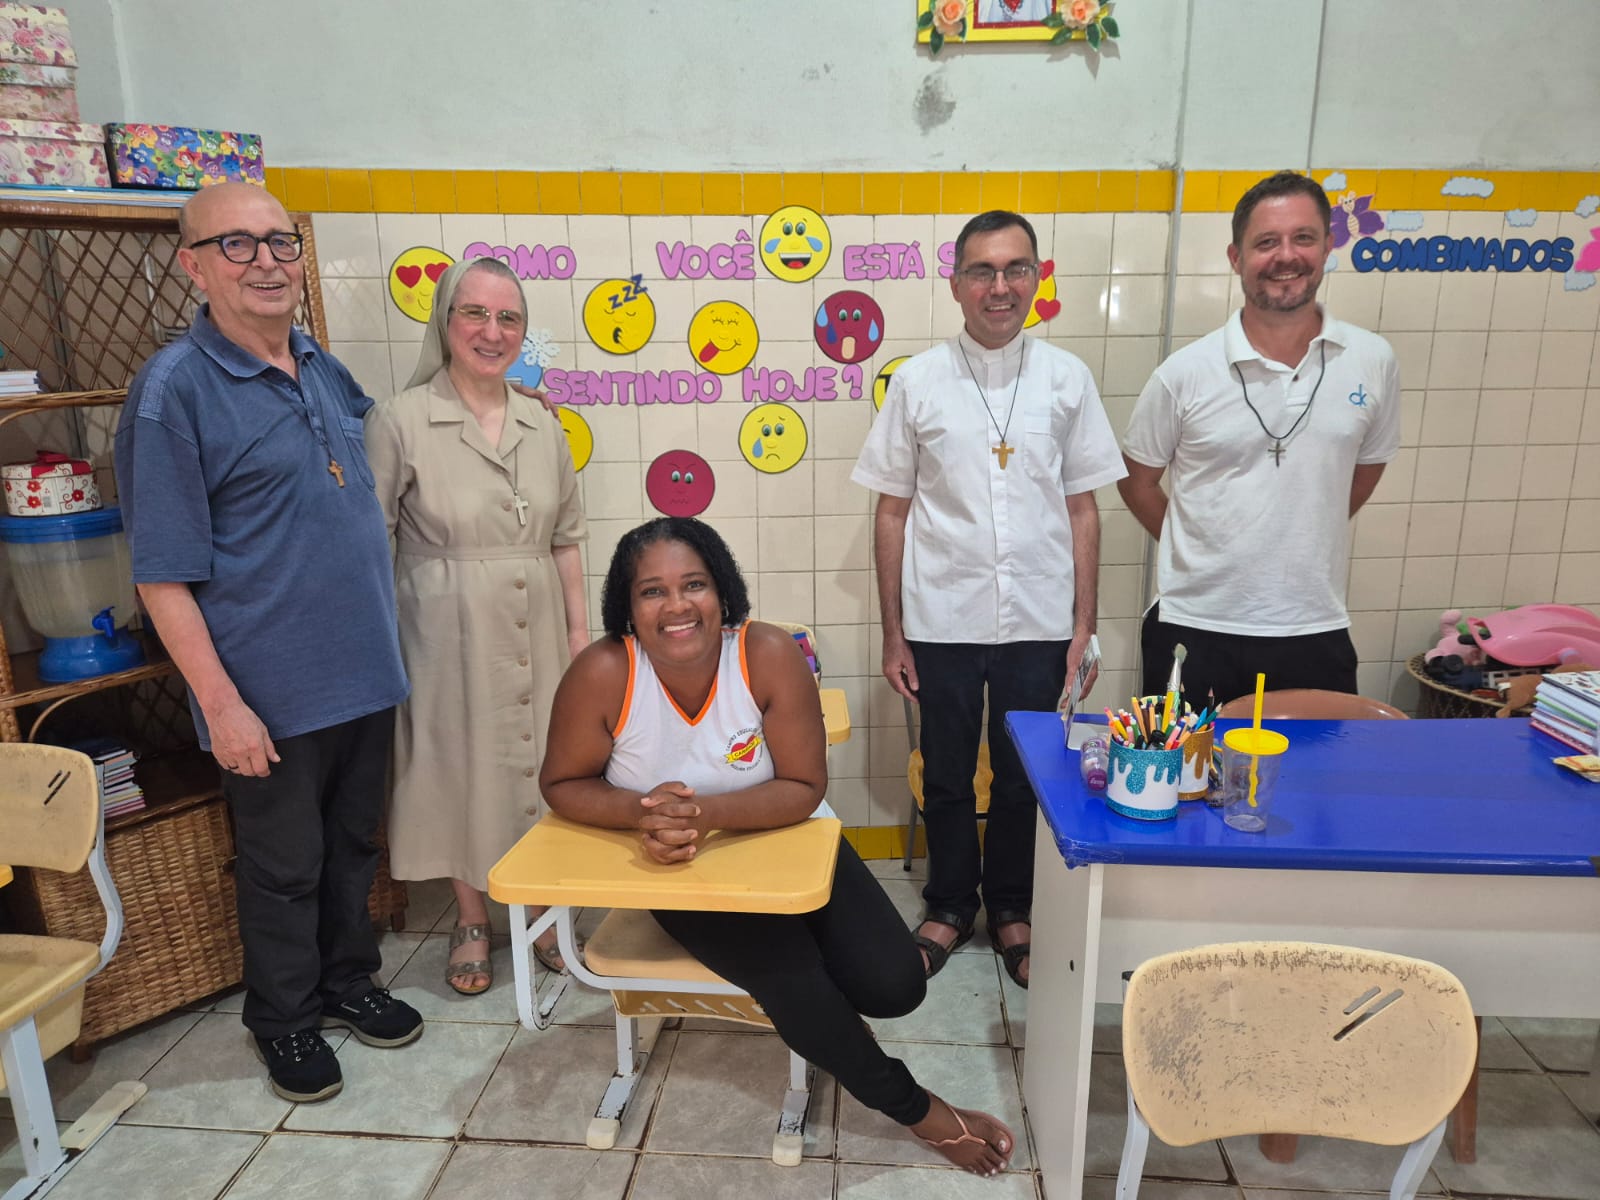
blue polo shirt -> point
(222, 469)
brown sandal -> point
(460, 936)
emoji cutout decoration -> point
(680, 483)
(580, 438)
(795, 243)
(1045, 304)
(413, 277)
(538, 349)
(619, 315)
(772, 438)
(849, 327)
(880, 385)
(723, 337)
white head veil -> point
(435, 341)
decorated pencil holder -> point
(1143, 784)
(1195, 779)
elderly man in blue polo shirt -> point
(261, 554)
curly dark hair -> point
(1284, 183)
(616, 598)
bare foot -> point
(971, 1140)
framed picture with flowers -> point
(1052, 21)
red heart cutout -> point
(408, 276)
(1046, 308)
(1047, 268)
(434, 270)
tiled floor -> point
(480, 1108)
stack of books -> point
(1567, 707)
(113, 768)
(18, 383)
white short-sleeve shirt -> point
(1252, 546)
(988, 549)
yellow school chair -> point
(981, 781)
(651, 978)
(1254, 1037)
(50, 812)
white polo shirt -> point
(988, 550)
(1250, 546)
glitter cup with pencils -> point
(1149, 750)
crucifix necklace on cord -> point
(1278, 439)
(1002, 451)
(517, 501)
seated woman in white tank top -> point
(689, 717)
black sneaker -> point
(300, 1066)
(376, 1018)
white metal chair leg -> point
(1135, 1143)
(636, 1041)
(42, 1155)
(788, 1145)
(533, 1010)
(1414, 1166)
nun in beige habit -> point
(479, 490)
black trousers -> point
(1225, 664)
(951, 678)
(817, 974)
(306, 840)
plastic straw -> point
(1261, 696)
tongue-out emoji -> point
(849, 326)
(723, 337)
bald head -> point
(219, 208)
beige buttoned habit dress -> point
(482, 620)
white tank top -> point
(721, 749)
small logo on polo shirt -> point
(744, 749)
(1359, 397)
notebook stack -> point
(1567, 707)
(113, 768)
(18, 383)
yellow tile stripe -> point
(687, 193)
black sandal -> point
(939, 954)
(1011, 956)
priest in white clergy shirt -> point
(987, 541)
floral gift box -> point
(53, 154)
(30, 33)
(171, 156)
(52, 485)
(30, 92)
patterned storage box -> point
(170, 156)
(32, 34)
(53, 153)
(50, 486)
(29, 92)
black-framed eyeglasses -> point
(508, 319)
(984, 275)
(242, 248)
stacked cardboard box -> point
(41, 140)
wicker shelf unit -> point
(88, 291)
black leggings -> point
(817, 974)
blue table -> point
(1456, 841)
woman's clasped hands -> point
(667, 824)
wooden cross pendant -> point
(1277, 454)
(521, 506)
(336, 470)
(1002, 452)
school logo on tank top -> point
(744, 748)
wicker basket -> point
(1438, 701)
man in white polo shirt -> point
(1275, 429)
(987, 541)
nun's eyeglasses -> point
(508, 319)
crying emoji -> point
(772, 438)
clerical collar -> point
(977, 352)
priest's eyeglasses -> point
(983, 275)
(242, 248)
(508, 319)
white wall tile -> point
(1496, 473)
(1409, 301)
(1200, 304)
(1135, 303)
(786, 494)
(1449, 418)
(531, 229)
(1139, 243)
(1480, 582)
(1441, 473)
(368, 363)
(1357, 298)
(1564, 359)
(1571, 310)
(1538, 526)
(843, 543)
(1129, 362)
(1511, 360)
(1426, 582)
(1203, 240)
(839, 429)
(1519, 301)
(1531, 579)
(613, 490)
(1578, 579)
(1557, 416)
(1381, 531)
(602, 247)
(347, 246)
(1373, 635)
(398, 232)
(1582, 533)
(785, 595)
(1414, 352)
(844, 652)
(1457, 360)
(1394, 486)
(1375, 583)
(1083, 244)
(845, 598)
(1503, 417)
(457, 231)
(1435, 529)
(1486, 527)
(1465, 302)
(615, 428)
(1547, 472)
(1083, 301)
